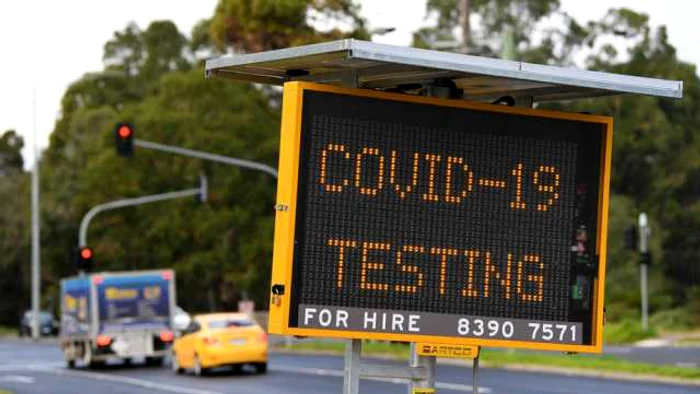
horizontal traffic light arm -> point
(253, 165)
(128, 202)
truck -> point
(117, 315)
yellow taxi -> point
(218, 340)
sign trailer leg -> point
(351, 376)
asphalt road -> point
(27, 367)
(688, 357)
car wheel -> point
(198, 369)
(175, 364)
(261, 368)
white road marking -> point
(55, 368)
(17, 379)
(333, 372)
(21, 367)
(128, 380)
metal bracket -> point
(349, 78)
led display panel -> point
(412, 218)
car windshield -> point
(229, 323)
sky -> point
(46, 44)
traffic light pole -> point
(207, 156)
(129, 202)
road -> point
(27, 367)
(679, 356)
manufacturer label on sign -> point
(422, 219)
(455, 351)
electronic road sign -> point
(408, 218)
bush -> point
(672, 320)
(626, 331)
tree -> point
(151, 80)
(14, 234)
(516, 19)
(656, 159)
(245, 26)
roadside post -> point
(644, 233)
(413, 206)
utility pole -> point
(35, 227)
(464, 12)
(644, 233)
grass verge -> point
(505, 358)
(7, 332)
(626, 332)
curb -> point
(610, 375)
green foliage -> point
(221, 250)
(678, 319)
(656, 152)
(626, 332)
(254, 26)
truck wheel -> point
(175, 364)
(89, 361)
(154, 361)
(70, 364)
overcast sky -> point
(48, 44)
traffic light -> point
(84, 259)
(631, 238)
(124, 137)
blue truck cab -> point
(117, 315)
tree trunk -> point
(464, 12)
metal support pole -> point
(129, 202)
(351, 375)
(253, 165)
(428, 363)
(475, 372)
(644, 233)
(645, 296)
(36, 291)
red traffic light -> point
(86, 253)
(124, 131)
(124, 139)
